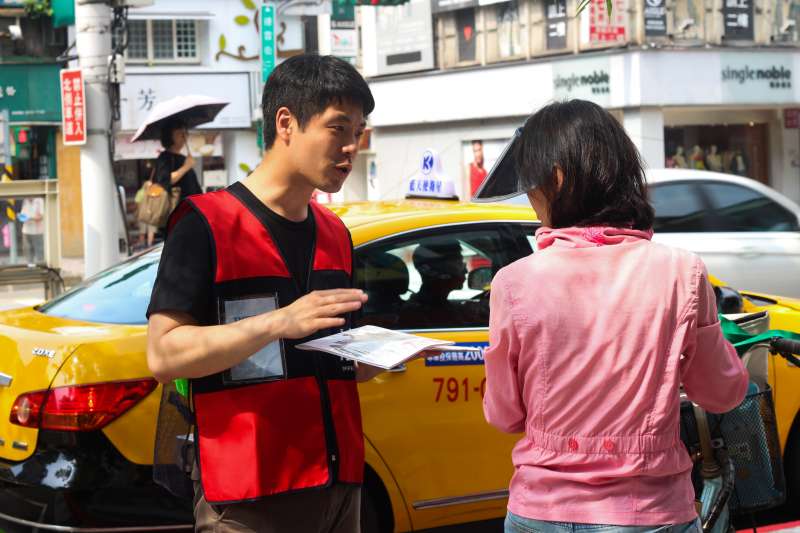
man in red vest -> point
(246, 274)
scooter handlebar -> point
(787, 348)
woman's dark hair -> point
(307, 84)
(166, 132)
(604, 181)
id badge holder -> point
(268, 363)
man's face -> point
(324, 151)
(477, 153)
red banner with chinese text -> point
(73, 107)
(604, 28)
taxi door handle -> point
(398, 369)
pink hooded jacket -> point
(589, 341)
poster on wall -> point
(555, 11)
(655, 18)
(738, 16)
(478, 156)
(605, 29)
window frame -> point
(152, 60)
(514, 229)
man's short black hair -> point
(307, 84)
(604, 181)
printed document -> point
(378, 346)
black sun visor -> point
(502, 182)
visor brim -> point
(502, 182)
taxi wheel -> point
(376, 509)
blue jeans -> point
(518, 524)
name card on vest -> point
(269, 362)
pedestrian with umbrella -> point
(174, 178)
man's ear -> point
(285, 124)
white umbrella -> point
(192, 110)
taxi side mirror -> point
(480, 279)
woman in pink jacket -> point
(592, 336)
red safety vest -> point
(292, 434)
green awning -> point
(31, 92)
(63, 13)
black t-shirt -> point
(185, 277)
(167, 163)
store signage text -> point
(655, 17)
(556, 13)
(779, 77)
(738, 15)
(267, 40)
(598, 81)
(73, 107)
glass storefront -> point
(740, 149)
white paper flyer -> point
(378, 346)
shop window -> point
(734, 149)
(738, 208)
(162, 41)
(504, 32)
(466, 35)
(679, 208)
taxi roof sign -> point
(430, 181)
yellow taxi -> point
(78, 408)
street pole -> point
(99, 200)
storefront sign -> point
(791, 118)
(738, 15)
(73, 107)
(267, 40)
(604, 29)
(141, 92)
(400, 38)
(555, 12)
(655, 18)
(344, 36)
(588, 79)
(756, 77)
(30, 93)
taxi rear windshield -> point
(118, 295)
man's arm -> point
(178, 348)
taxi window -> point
(738, 208)
(435, 280)
(119, 295)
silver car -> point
(747, 233)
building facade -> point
(709, 84)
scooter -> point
(745, 437)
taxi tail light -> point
(79, 407)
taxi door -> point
(425, 419)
